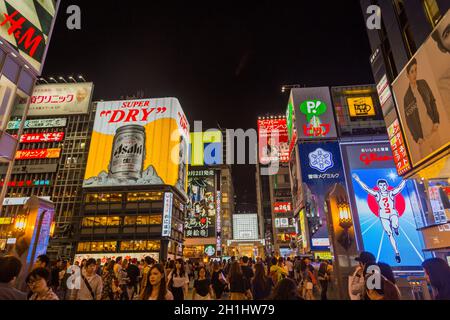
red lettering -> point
(30, 41)
(132, 115)
(147, 113)
(121, 113)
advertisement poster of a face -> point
(201, 207)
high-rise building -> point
(410, 63)
(51, 157)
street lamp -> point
(73, 79)
(345, 222)
(81, 78)
(52, 229)
(62, 79)
(20, 223)
(53, 79)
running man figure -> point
(389, 216)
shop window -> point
(99, 246)
(140, 245)
(101, 221)
(144, 196)
(432, 12)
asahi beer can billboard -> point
(138, 142)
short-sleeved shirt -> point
(239, 284)
(202, 287)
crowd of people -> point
(232, 279)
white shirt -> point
(290, 266)
(179, 282)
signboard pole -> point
(11, 163)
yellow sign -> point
(5, 221)
(361, 107)
(139, 142)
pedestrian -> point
(156, 288)
(437, 272)
(133, 276)
(63, 276)
(290, 268)
(42, 261)
(108, 279)
(118, 267)
(239, 289)
(91, 283)
(324, 278)
(276, 271)
(247, 270)
(218, 281)
(356, 281)
(202, 286)
(99, 267)
(37, 281)
(123, 280)
(10, 268)
(261, 284)
(286, 289)
(308, 280)
(148, 264)
(388, 289)
(178, 281)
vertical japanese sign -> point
(321, 171)
(219, 221)
(398, 147)
(273, 141)
(167, 215)
(314, 115)
(27, 26)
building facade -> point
(411, 39)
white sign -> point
(19, 201)
(58, 99)
(384, 92)
(245, 226)
(37, 124)
(320, 242)
(167, 215)
(105, 256)
(11, 241)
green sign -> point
(289, 119)
(313, 108)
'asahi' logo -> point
(124, 150)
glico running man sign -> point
(139, 142)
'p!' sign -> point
(313, 108)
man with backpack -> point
(91, 283)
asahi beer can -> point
(128, 153)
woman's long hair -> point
(182, 270)
(439, 272)
(286, 289)
(235, 271)
(162, 286)
(260, 278)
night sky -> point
(224, 60)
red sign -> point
(26, 183)
(368, 158)
(273, 140)
(38, 154)
(401, 158)
(282, 207)
(41, 137)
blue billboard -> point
(321, 170)
(385, 205)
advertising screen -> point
(314, 115)
(201, 207)
(384, 204)
(206, 148)
(138, 142)
(282, 207)
(321, 170)
(41, 137)
(422, 92)
(35, 21)
(58, 99)
(38, 154)
(273, 141)
(361, 107)
(38, 124)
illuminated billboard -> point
(38, 154)
(41, 137)
(58, 99)
(206, 148)
(422, 93)
(38, 124)
(27, 26)
(201, 207)
(385, 207)
(361, 107)
(138, 142)
(282, 207)
(314, 115)
(273, 140)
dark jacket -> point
(7, 292)
(412, 112)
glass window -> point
(101, 221)
(99, 246)
(144, 196)
(142, 220)
(140, 245)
